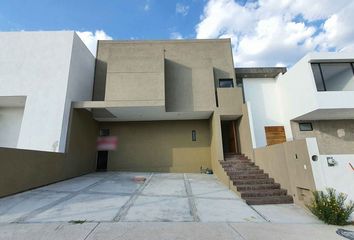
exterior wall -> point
(245, 133)
(80, 81)
(38, 65)
(10, 126)
(230, 102)
(261, 94)
(289, 164)
(187, 67)
(26, 169)
(340, 176)
(163, 146)
(333, 136)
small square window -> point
(305, 126)
(104, 132)
(226, 83)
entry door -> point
(233, 146)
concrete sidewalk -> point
(168, 231)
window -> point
(305, 126)
(226, 83)
(104, 132)
(194, 135)
(333, 76)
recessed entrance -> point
(229, 137)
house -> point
(175, 106)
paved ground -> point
(166, 206)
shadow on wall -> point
(99, 86)
(178, 87)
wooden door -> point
(275, 134)
(233, 146)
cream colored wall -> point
(289, 164)
(230, 101)
(21, 170)
(163, 146)
(245, 136)
(134, 70)
(333, 136)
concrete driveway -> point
(163, 197)
(107, 205)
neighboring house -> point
(180, 106)
(41, 74)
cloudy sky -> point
(263, 32)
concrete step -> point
(243, 172)
(253, 181)
(247, 176)
(264, 193)
(246, 187)
(235, 161)
(242, 168)
(269, 200)
(238, 165)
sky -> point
(262, 32)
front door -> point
(229, 137)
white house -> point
(41, 73)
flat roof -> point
(259, 72)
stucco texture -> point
(162, 146)
(333, 136)
(21, 170)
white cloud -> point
(279, 32)
(182, 9)
(176, 35)
(147, 5)
(90, 39)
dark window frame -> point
(321, 72)
(306, 123)
(226, 80)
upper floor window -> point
(333, 76)
(226, 83)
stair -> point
(254, 186)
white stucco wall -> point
(262, 97)
(37, 65)
(339, 177)
(10, 125)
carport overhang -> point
(119, 111)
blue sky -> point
(262, 32)
(121, 19)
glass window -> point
(318, 77)
(226, 83)
(338, 76)
(333, 76)
(305, 126)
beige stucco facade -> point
(160, 146)
(333, 136)
(289, 164)
(27, 169)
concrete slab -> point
(210, 188)
(166, 185)
(32, 202)
(273, 231)
(8, 202)
(116, 187)
(285, 213)
(159, 209)
(225, 210)
(45, 231)
(72, 185)
(89, 207)
(158, 231)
